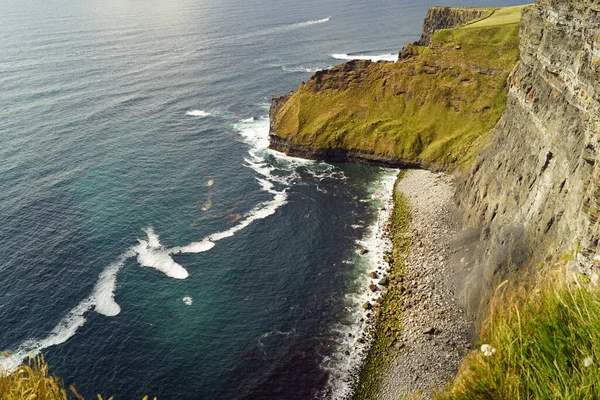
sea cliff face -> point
(535, 189)
(448, 17)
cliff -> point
(439, 18)
(381, 113)
(534, 191)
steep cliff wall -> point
(448, 17)
(535, 190)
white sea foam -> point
(195, 247)
(152, 254)
(290, 27)
(104, 291)
(370, 57)
(274, 332)
(344, 364)
(300, 68)
(188, 300)
(197, 113)
(251, 119)
(101, 300)
(261, 211)
(277, 29)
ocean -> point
(149, 241)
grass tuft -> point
(547, 347)
(31, 381)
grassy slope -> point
(548, 347)
(432, 107)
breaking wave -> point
(197, 113)
(101, 300)
(300, 68)
(344, 364)
(370, 57)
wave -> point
(345, 362)
(291, 27)
(277, 29)
(101, 300)
(197, 113)
(261, 211)
(103, 296)
(275, 332)
(374, 58)
(310, 70)
(256, 135)
(152, 254)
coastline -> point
(355, 334)
(422, 333)
(386, 328)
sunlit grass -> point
(501, 16)
(33, 381)
(547, 347)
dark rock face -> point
(339, 77)
(340, 155)
(535, 190)
(446, 18)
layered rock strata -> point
(535, 191)
(448, 17)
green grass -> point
(501, 16)
(435, 107)
(542, 345)
(388, 325)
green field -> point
(500, 16)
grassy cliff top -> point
(500, 16)
(432, 106)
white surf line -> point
(278, 29)
(344, 365)
(261, 211)
(101, 300)
(310, 70)
(198, 113)
(374, 58)
(152, 254)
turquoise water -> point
(132, 154)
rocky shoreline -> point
(436, 332)
(341, 155)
